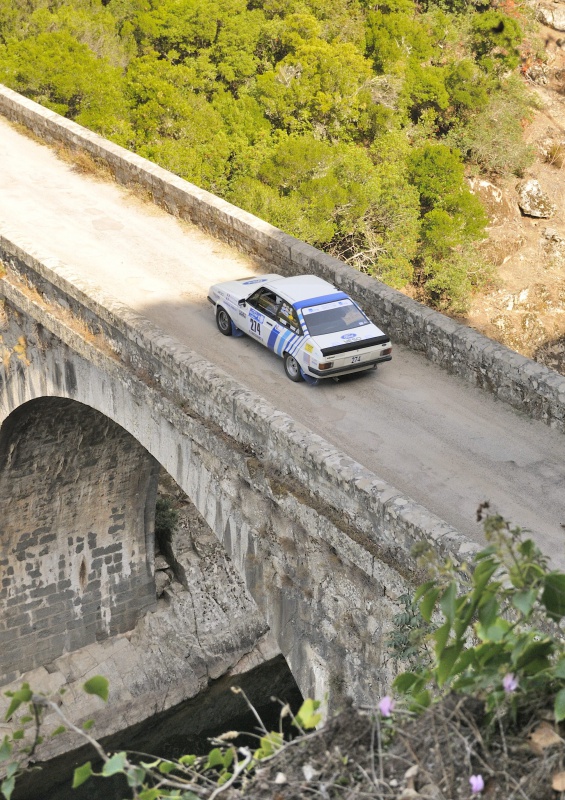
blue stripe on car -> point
(272, 339)
(326, 298)
(282, 341)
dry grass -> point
(357, 755)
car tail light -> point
(387, 351)
(326, 365)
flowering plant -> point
(499, 632)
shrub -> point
(498, 636)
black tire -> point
(223, 321)
(292, 368)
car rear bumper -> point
(330, 373)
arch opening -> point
(77, 508)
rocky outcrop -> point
(552, 15)
(533, 201)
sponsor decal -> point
(242, 313)
(256, 315)
(349, 337)
(309, 348)
(255, 280)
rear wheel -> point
(292, 368)
(223, 321)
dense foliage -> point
(350, 124)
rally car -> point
(319, 331)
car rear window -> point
(341, 315)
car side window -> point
(288, 317)
(266, 301)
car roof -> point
(303, 287)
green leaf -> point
(553, 596)
(559, 706)
(97, 685)
(559, 669)
(166, 766)
(428, 604)
(225, 776)
(421, 700)
(447, 602)
(5, 750)
(441, 636)
(20, 696)
(488, 551)
(86, 726)
(188, 760)
(12, 768)
(448, 658)
(408, 683)
(17, 735)
(488, 612)
(465, 659)
(150, 794)
(306, 717)
(82, 774)
(215, 758)
(135, 776)
(534, 657)
(114, 765)
(423, 589)
(7, 787)
(524, 601)
(483, 573)
(495, 632)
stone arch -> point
(77, 494)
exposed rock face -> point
(552, 15)
(533, 201)
(202, 628)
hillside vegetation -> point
(350, 124)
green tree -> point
(495, 40)
(318, 87)
(63, 74)
(310, 188)
(393, 37)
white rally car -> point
(319, 331)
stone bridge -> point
(94, 399)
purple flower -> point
(477, 783)
(510, 682)
(386, 706)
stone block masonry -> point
(514, 379)
(77, 496)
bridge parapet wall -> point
(519, 381)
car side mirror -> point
(242, 303)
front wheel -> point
(223, 321)
(292, 368)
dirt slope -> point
(526, 310)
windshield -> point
(341, 315)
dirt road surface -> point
(432, 436)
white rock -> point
(533, 201)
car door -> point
(262, 307)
